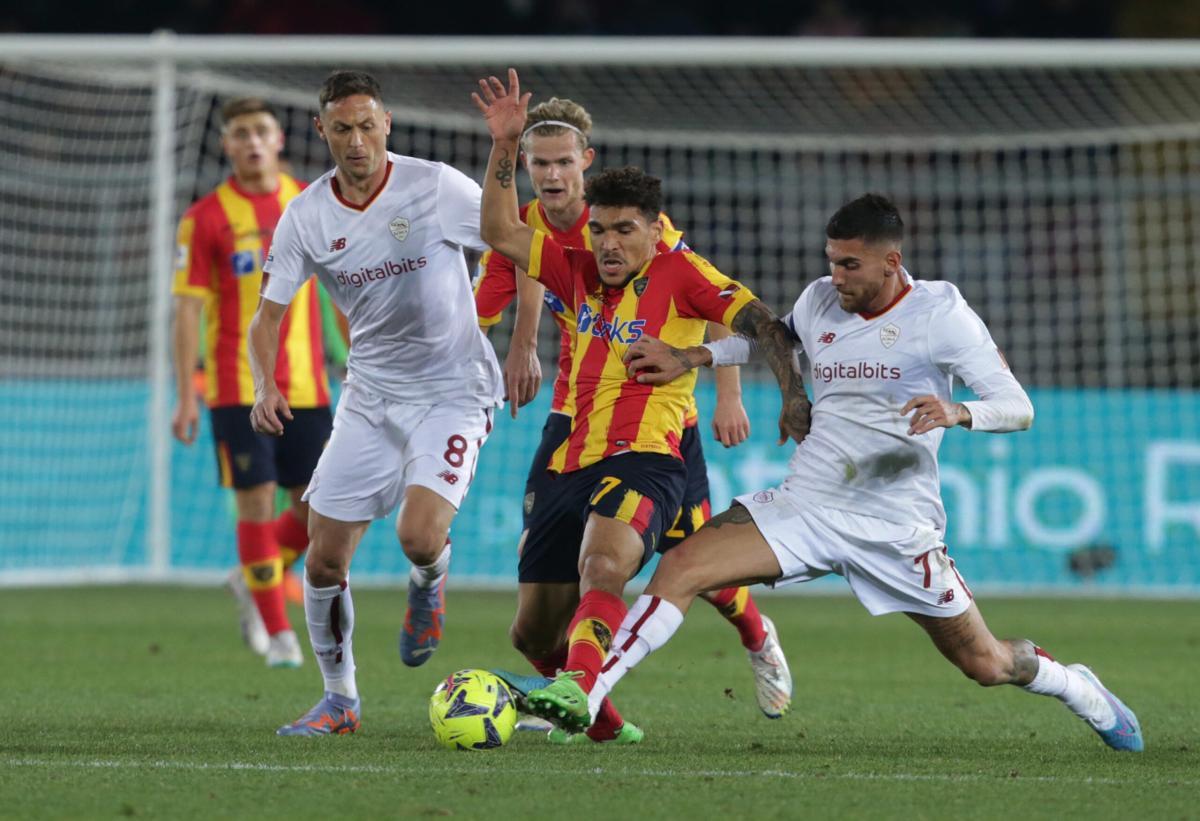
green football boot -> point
(629, 733)
(562, 702)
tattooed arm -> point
(776, 344)
(655, 362)
(500, 223)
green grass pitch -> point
(141, 702)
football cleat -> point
(423, 621)
(254, 632)
(772, 678)
(520, 686)
(283, 650)
(1126, 733)
(628, 734)
(333, 715)
(562, 702)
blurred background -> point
(1056, 182)
(825, 18)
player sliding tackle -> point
(862, 496)
(620, 474)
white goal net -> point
(1058, 186)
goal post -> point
(1057, 184)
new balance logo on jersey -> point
(854, 370)
(626, 332)
(450, 478)
(362, 276)
(338, 244)
(945, 597)
(826, 337)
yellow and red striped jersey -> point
(496, 285)
(222, 242)
(672, 298)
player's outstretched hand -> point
(653, 362)
(929, 412)
(730, 424)
(268, 414)
(795, 418)
(185, 421)
(522, 376)
(503, 109)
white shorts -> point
(890, 567)
(379, 447)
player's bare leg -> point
(610, 555)
(539, 632)
(968, 643)
(728, 551)
(329, 611)
(422, 527)
(257, 584)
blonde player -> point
(385, 234)
(862, 497)
(223, 239)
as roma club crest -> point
(888, 335)
(399, 228)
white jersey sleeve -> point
(960, 344)
(458, 208)
(288, 265)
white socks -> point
(648, 625)
(426, 576)
(329, 612)
(1074, 690)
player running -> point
(555, 151)
(862, 497)
(621, 477)
(384, 234)
(223, 239)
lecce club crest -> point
(888, 335)
(399, 228)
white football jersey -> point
(395, 268)
(863, 369)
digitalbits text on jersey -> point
(364, 275)
(854, 370)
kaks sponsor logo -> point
(854, 370)
(243, 263)
(362, 276)
(448, 477)
(338, 244)
(826, 337)
(626, 332)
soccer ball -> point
(472, 710)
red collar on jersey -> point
(337, 190)
(903, 293)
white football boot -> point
(254, 632)
(772, 678)
(283, 650)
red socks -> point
(608, 720)
(596, 621)
(738, 607)
(291, 534)
(263, 569)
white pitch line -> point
(483, 768)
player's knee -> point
(325, 569)
(679, 572)
(422, 544)
(602, 572)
